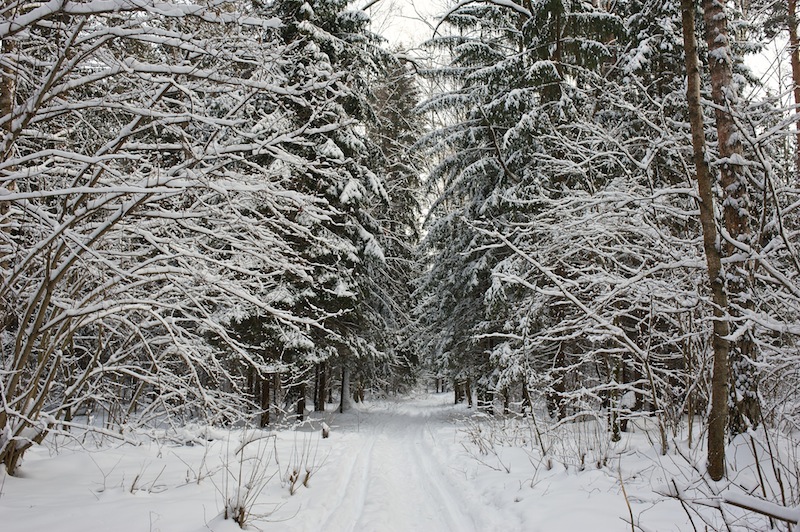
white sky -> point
(406, 23)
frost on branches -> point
(149, 201)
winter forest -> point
(264, 267)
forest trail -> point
(394, 482)
(391, 476)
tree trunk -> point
(794, 56)
(344, 401)
(527, 402)
(458, 392)
(556, 404)
(316, 387)
(322, 386)
(358, 394)
(719, 382)
(276, 389)
(11, 456)
(745, 407)
(265, 402)
(252, 381)
(7, 87)
(617, 376)
(301, 402)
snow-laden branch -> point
(216, 14)
(616, 332)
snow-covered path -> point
(394, 481)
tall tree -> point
(794, 58)
(395, 130)
(349, 172)
(717, 430)
(736, 211)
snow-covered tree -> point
(564, 248)
(150, 200)
(347, 168)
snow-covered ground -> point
(413, 464)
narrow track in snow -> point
(352, 492)
(395, 482)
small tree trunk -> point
(614, 399)
(623, 423)
(316, 387)
(301, 402)
(322, 387)
(11, 456)
(344, 401)
(458, 393)
(252, 381)
(527, 402)
(276, 389)
(265, 402)
(719, 381)
(556, 395)
(794, 55)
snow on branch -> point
(770, 509)
(508, 4)
(216, 14)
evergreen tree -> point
(394, 132)
(351, 250)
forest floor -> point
(417, 463)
